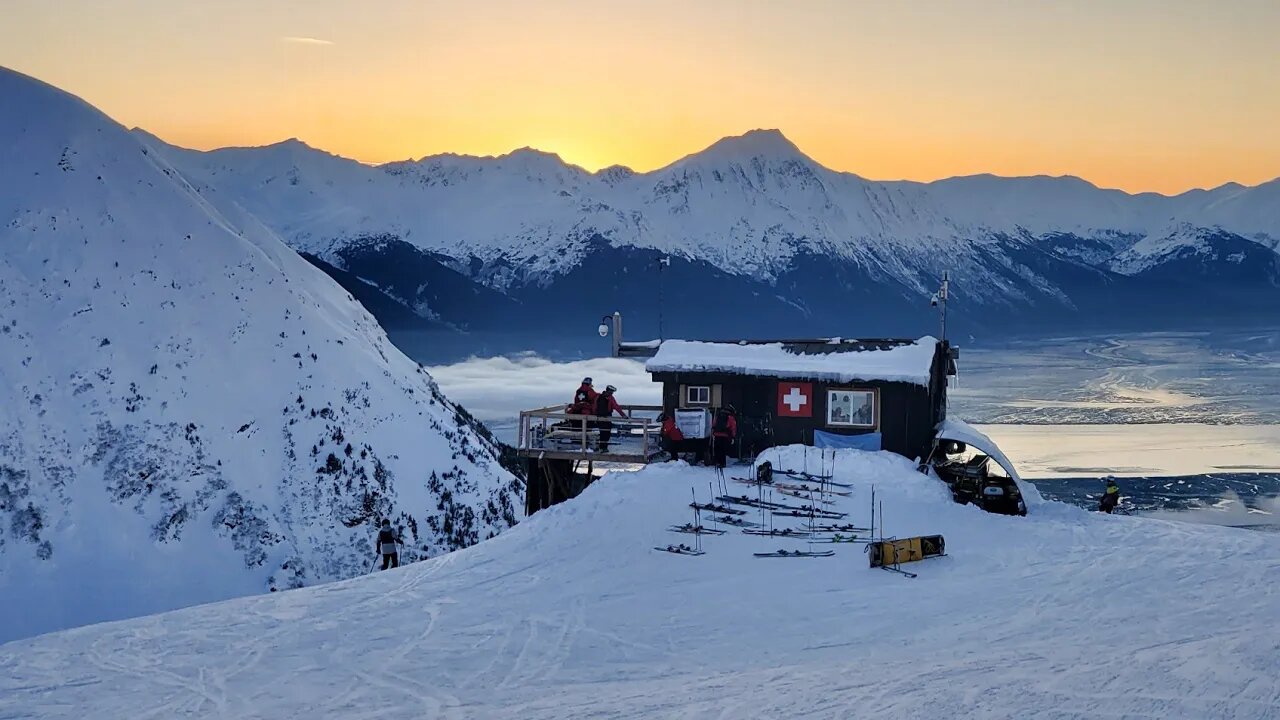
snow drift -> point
(188, 410)
(1062, 613)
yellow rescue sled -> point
(889, 554)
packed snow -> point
(188, 410)
(904, 363)
(573, 614)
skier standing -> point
(584, 399)
(606, 406)
(723, 433)
(1110, 497)
(388, 546)
(671, 434)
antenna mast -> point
(942, 296)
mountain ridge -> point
(773, 223)
(1228, 185)
(188, 410)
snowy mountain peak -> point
(769, 145)
(615, 174)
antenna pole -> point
(946, 282)
(662, 262)
(617, 333)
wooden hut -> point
(867, 394)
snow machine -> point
(975, 469)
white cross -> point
(794, 399)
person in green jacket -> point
(1110, 497)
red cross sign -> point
(795, 399)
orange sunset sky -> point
(1139, 95)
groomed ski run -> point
(572, 614)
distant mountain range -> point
(751, 237)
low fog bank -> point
(496, 389)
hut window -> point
(697, 395)
(851, 408)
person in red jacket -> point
(723, 432)
(671, 434)
(584, 399)
(606, 406)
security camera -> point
(934, 300)
(603, 330)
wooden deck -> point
(550, 433)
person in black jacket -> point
(388, 546)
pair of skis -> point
(785, 532)
(801, 487)
(814, 512)
(734, 521)
(750, 502)
(680, 549)
(796, 554)
(839, 538)
(810, 496)
(713, 508)
(692, 529)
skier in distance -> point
(388, 546)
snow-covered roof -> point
(909, 362)
(961, 431)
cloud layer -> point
(305, 40)
(495, 390)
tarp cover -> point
(905, 363)
(694, 424)
(865, 441)
(961, 431)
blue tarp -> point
(865, 441)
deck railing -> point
(556, 430)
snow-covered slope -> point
(189, 411)
(1185, 251)
(1063, 614)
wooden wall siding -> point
(906, 413)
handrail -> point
(584, 423)
(560, 408)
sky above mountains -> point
(1138, 95)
